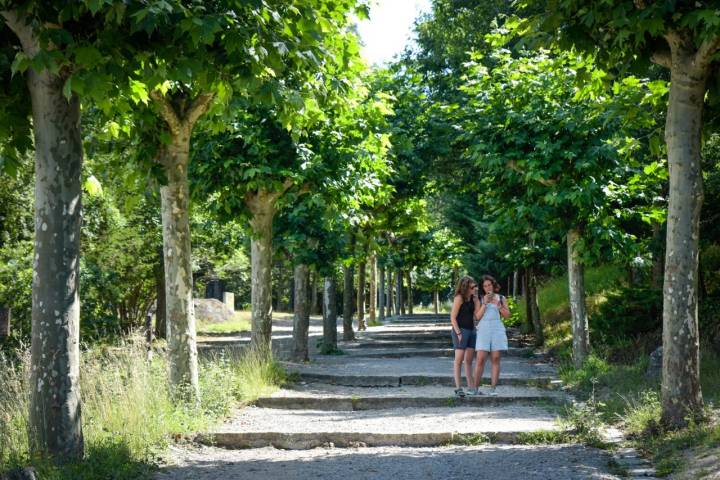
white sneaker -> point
(493, 393)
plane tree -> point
(684, 39)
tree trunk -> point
(535, 307)
(373, 288)
(576, 288)
(400, 306)
(381, 293)
(161, 305)
(515, 281)
(55, 427)
(348, 303)
(329, 315)
(263, 210)
(390, 310)
(658, 259)
(313, 293)
(180, 314)
(361, 296)
(410, 297)
(681, 392)
(529, 321)
(436, 301)
(301, 319)
(291, 298)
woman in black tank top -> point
(463, 315)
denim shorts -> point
(468, 339)
(491, 336)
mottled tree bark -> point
(348, 303)
(689, 70)
(161, 305)
(381, 293)
(55, 427)
(262, 207)
(373, 289)
(576, 288)
(314, 293)
(361, 296)
(301, 319)
(329, 314)
(180, 115)
(515, 281)
(529, 323)
(436, 301)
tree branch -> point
(706, 51)
(23, 30)
(199, 106)
(662, 58)
(548, 182)
(167, 112)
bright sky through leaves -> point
(390, 28)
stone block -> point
(229, 300)
(211, 310)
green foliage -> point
(628, 313)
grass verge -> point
(129, 417)
(241, 322)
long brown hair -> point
(463, 286)
(495, 284)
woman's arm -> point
(457, 301)
(479, 310)
(503, 308)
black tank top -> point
(465, 315)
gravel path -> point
(314, 420)
(499, 462)
(401, 420)
(511, 367)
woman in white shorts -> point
(491, 336)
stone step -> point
(427, 352)
(255, 427)
(394, 380)
(344, 403)
(382, 343)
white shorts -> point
(491, 336)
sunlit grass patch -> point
(128, 415)
(241, 322)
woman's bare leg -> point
(457, 364)
(480, 366)
(495, 359)
(469, 357)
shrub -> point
(627, 314)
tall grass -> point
(129, 416)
